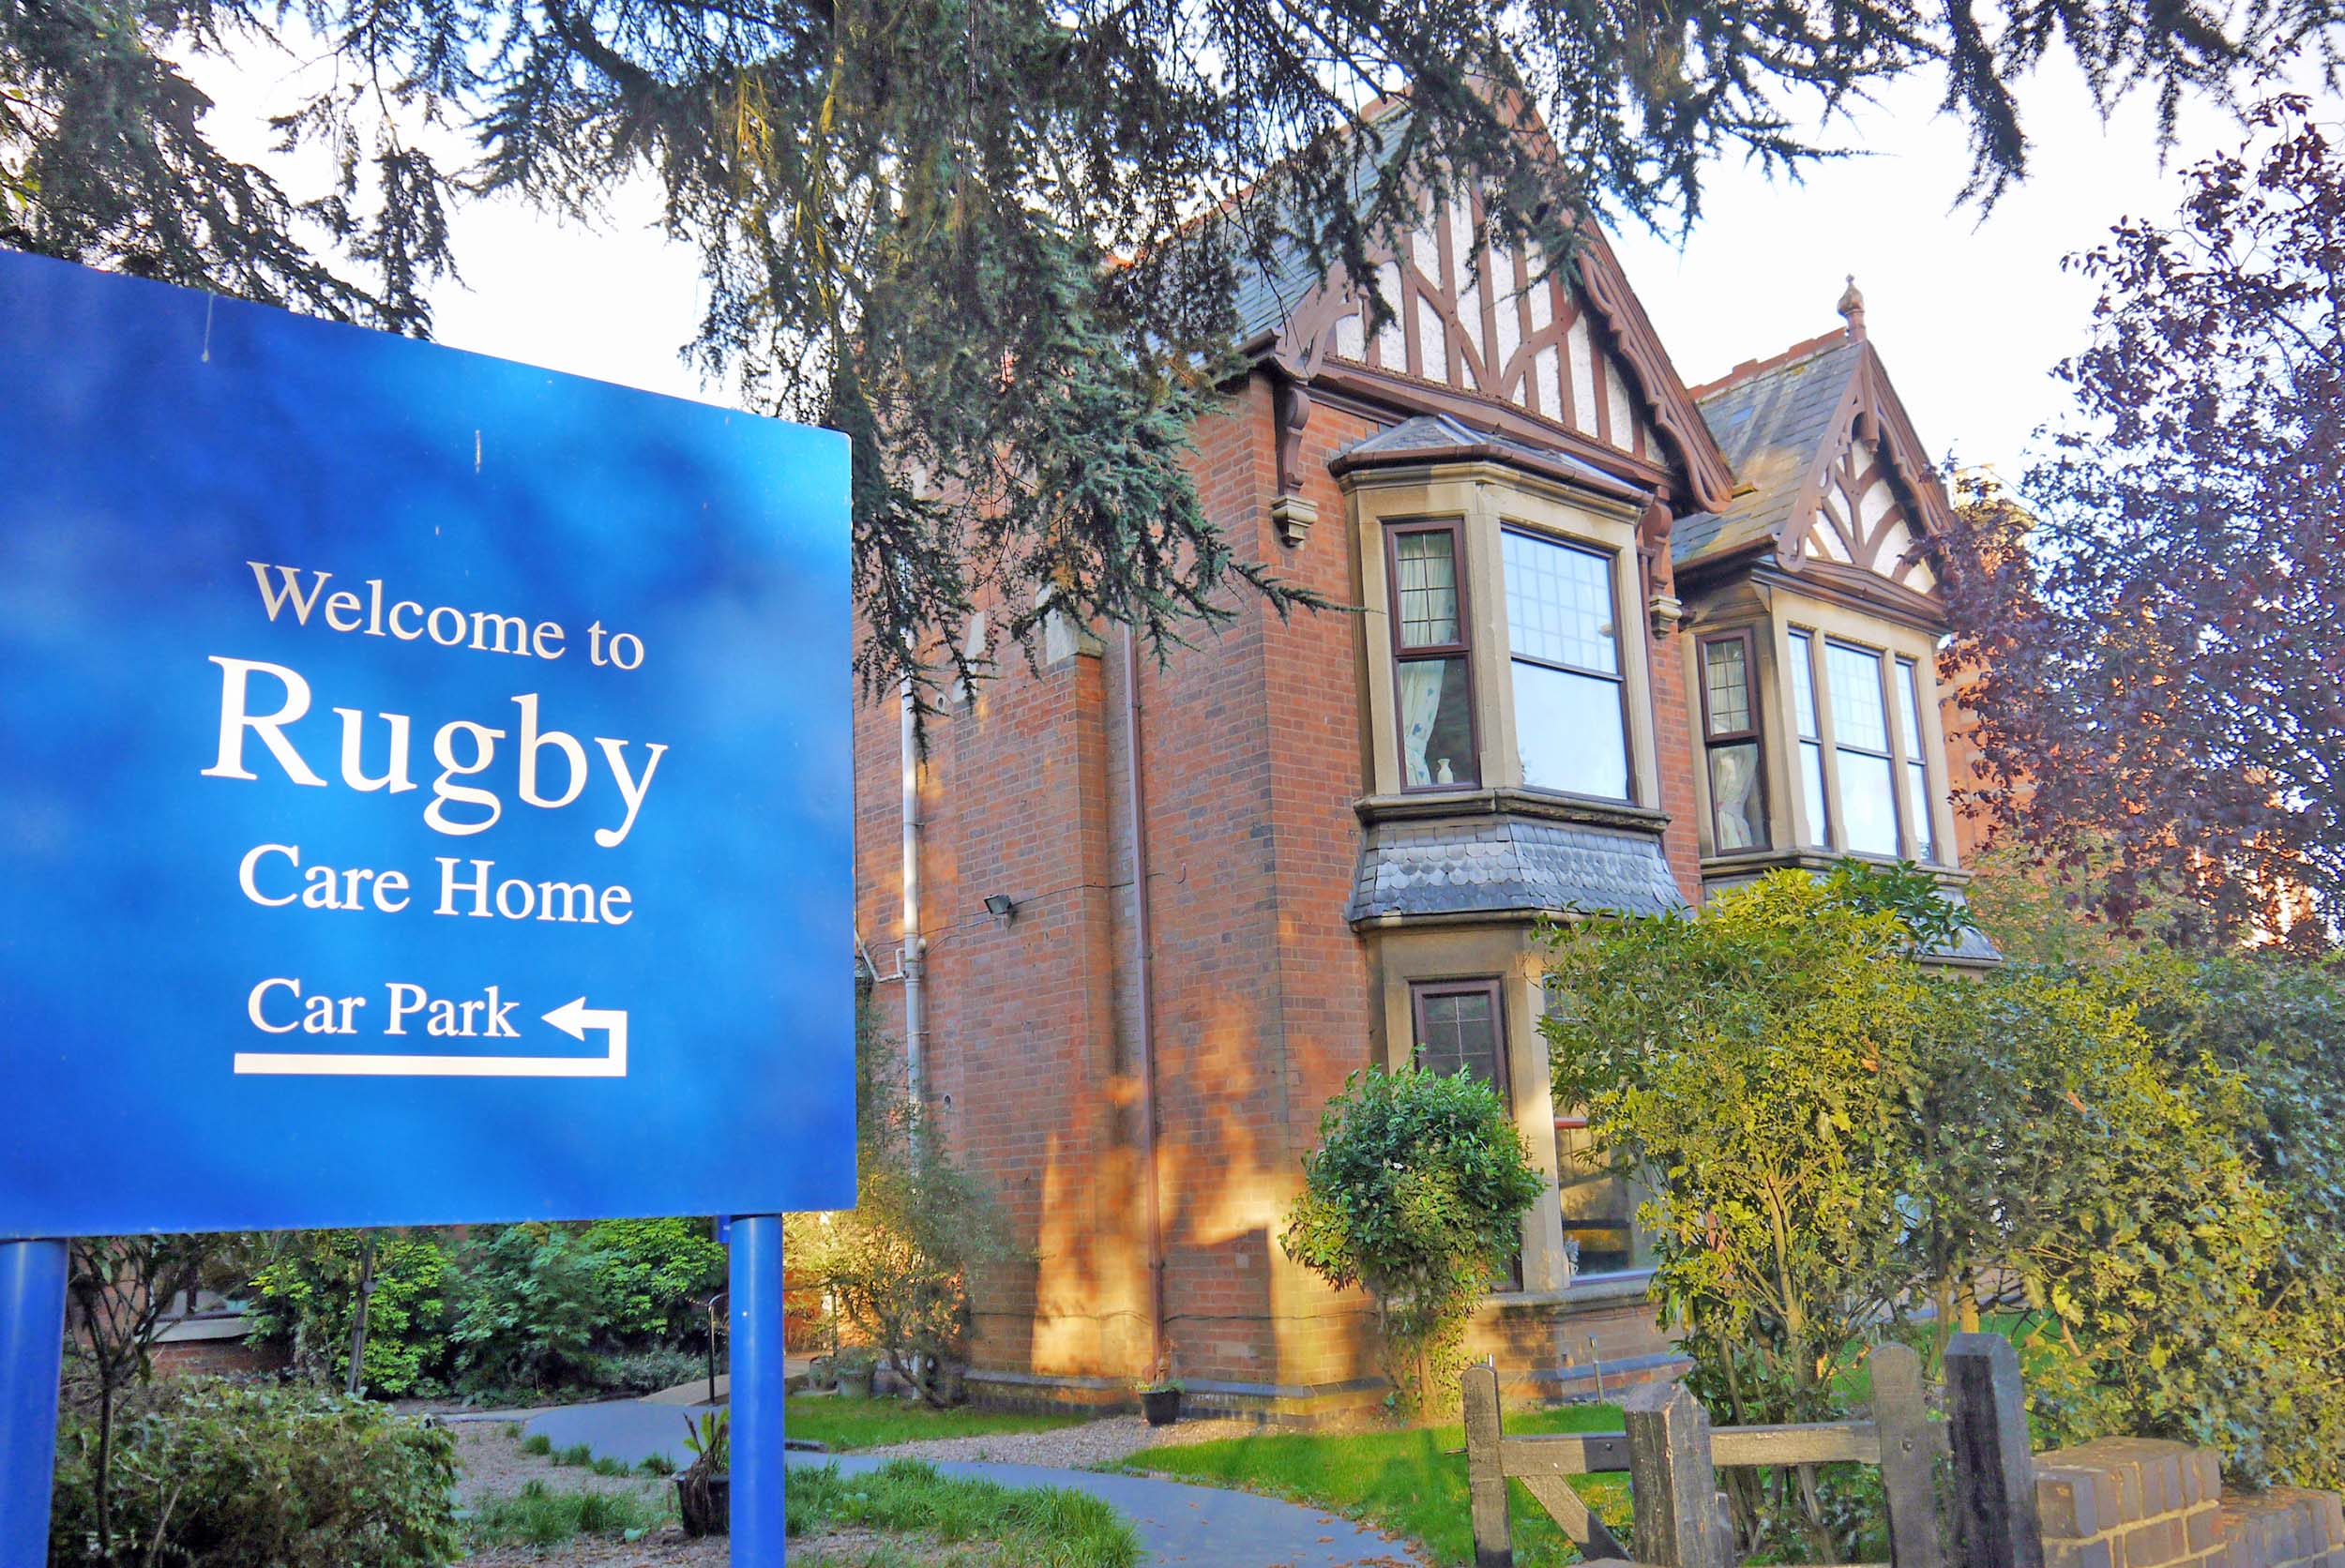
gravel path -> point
(1093, 1442)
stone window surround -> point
(1788, 828)
(1485, 499)
(1507, 952)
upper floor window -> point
(1562, 638)
(1730, 732)
(1867, 784)
(1432, 656)
(1916, 761)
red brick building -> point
(1618, 640)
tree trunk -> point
(356, 1380)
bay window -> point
(1562, 641)
(1432, 656)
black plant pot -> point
(705, 1503)
(1161, 1406)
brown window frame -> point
(1490, 986)
(1461, 649)
(1755, 732)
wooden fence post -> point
(1909, 1481)
(1676, 1486)
(1995, 1522)
(1486, 1475)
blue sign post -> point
(426, 800)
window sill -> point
(1814, 858)
(1420, 805)
(1594, 1291)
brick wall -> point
(1673, 747)
(2142, 1502)
(1252, 757)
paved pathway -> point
(1195, 1526)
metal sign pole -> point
(32, 1354)
(759, 1482)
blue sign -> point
(424, 788)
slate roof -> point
(1428, 436)
(1772, 421)
(1270, 288)
(1507, 864)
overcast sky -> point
(1971, 313)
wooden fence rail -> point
(1673, 1457)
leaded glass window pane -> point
(1867, 804)
(1858, 722)
(1734, 796)
(1559, 604)
(1460, 1033)
(1803, 687)
(1724, 673)
(1428, 568)
(1811, 782)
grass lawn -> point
(848, 1425)
(1039, 1527)
(1406, 1482)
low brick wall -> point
(2142, 1502)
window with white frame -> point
(1863, 766)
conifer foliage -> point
(994, 240)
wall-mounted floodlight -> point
(1002, 906)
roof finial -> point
(1853, 309)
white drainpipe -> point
(915, 945)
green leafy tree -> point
(1417, 1191)
(531, 1303)
(1841, 1135)
(307, 1290)
(968, 232)
(1753, 1068)
(656, 1273)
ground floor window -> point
(1601, 1235)
(1460, 1026)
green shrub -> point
(235, 1475)
(538, 1443)
(648, 1371)
(1841, 1135)
(655, 1272)
(1417, 1191)
(308, 1294)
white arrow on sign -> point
(573, 1018)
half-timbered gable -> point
(1503, 338)
(1832, 480)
